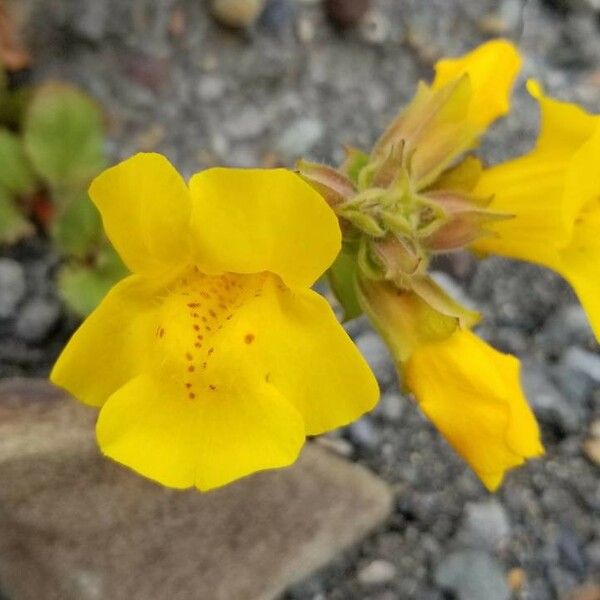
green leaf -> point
(64, 136)
(16, 174)
(342, 279)
(83, 286)
(77, 230)
(355, 161)
(13, 225)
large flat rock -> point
(75, 526)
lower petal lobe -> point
(112, 345)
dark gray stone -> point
(12, 287)
(587, 364)
(485, 525)
(378, 356)
(37, 319)
(546, 400)
(472, 575)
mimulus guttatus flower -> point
(214, 359)
(412, 197)
(554, 194)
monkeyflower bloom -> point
(214, 358)
(554, 194)
(412, 197)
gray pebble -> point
(246, 124)
(485, 525)
(378, 357)
(211, 88)
(364, 433)
(12, 287)
(377, 572)
(583, 362)
(37, 319)
(391, 406)
(569, 326)
(300, 137)
(472, 575)
(547, 401)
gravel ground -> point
(171, 80)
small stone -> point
(37, 319)
(485, 525)
(211, 88)
(305, 30)
(569, 326)
(278, 15)
(378, 357)
(570, 551)
(546, 400)
(91, 19)
(347, 13)
(337, 445)
(584, 362)
(574, 387)
(12, 287)
(391, 406)
(516, 578)
(239, 14)
(377, 573)
(591, 448)
(472, 575)
(247, 124)
(375, 28)
(587, 591)
(364, 433)
(300, 138)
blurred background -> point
(85, 83)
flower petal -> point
(564, 126)
(145, 207)
(579, 264)
(152, 427)
(492, 68)
(252, 220)
(472, 394)
(530, 188)
(293, 341)
(111, 346)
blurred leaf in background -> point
(64, 136)
(16, 173)
(83, 286)
(13, 225)
(77, 230)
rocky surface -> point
(171, 79)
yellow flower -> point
(470, 391)
(214, 359)
(492, 68)
(472, 394)
(554, 194)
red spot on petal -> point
(250, 337)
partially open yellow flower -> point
(470, 391)
(472, 394)
(554, 194)
(214, 359)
